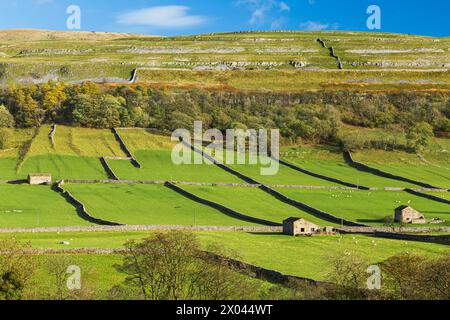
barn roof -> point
(39, 174)
(403, 208)
(293, 219)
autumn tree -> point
(418, 136)
(17, 266)
(172, 266)
(6, 119)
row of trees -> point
(173, 266)
(312, 116)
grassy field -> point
(406, 165)
(31, 207)
(329, 161)
(147, 205)
(154, 153)
(257, 203)
(292, 80)
(9, 157)
(75, 154)
(97, 272)
(368, 207)
(302, 256)
(284, 175)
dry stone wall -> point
(81, 209)
(108, 169)
(51, 135)
(320, 176)
(103, 228)
(362, 167)
(229, 212)
(125, 148)
(427, 196)
(302, 206)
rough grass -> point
(292, 81)
(75, 155)
(35, 206)
(368, 207)
(147, 205)
(9, 157)
(154, 153)
(76, 56)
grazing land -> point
(368, 207)
(302, 256)
(389, 85)
(35, 207)
(147, 205)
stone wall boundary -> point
(427, 196)
(320, 176)
(304, 207)
(332, 53)
(363, 167)
(81, 209)
(269, 275)
(108, 228)
(311, 210)
(439, 239)
(51, 135)
(407, 230)
(125, 148)
(229, 212)
(25, 149)
(108, 169)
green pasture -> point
(301, 256)
(329, 161)
(154, 153)
(147, 205)
(368, 207)
(407, 165)
(253, 202)
(75, 154)
(23, 206)
(9, 156)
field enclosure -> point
(206, 194)
(283, 61)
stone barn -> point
(39, 178)
(406, 214)
(299, 227)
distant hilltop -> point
(39, 35)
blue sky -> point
(175, 17)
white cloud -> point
(317, 26)
(39, 2)
(284, 6)
(163, 17)
(265, 11)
